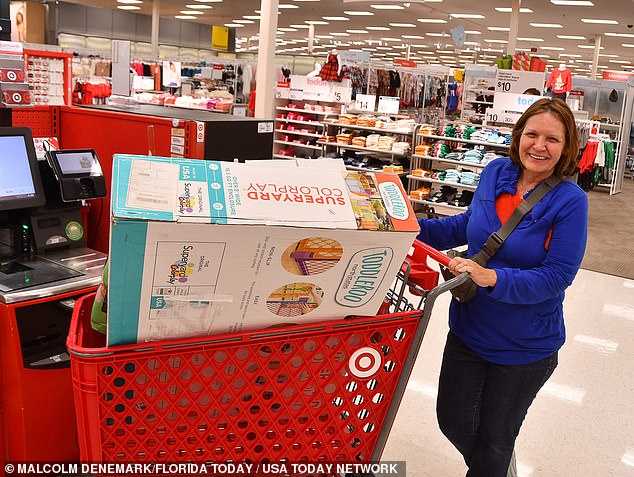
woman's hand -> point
(484, 277)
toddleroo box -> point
(205, 247)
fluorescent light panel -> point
(131, 7)
(494, 28)
(387, 7)
(573, 3)
(402, 25)
(546, 25)
(466, 15)
(599, 21)
(571, 37)
(509, 10)
(357, 13)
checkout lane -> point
(45, 266)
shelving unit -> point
(478, 83)
(387, 156)
(434, 163)
(313, 122)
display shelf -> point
(365, 169)
(297, 144)
(443, 205)
(436, 181)
(402, 132)
(298, 133)
(466, 141)
(308, 111)
(280, 156)
(490, 103)
(297, 121)
(450, 161)
(361, 148)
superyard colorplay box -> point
(205, 247)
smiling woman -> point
(503, 343)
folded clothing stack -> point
(418, 172)
(423, 149)
(428, 129)
(452, 175)
(474, 156)
(401, 147)
(372, 141)
(358, 141)
(421, 193)
(440, 149)
(395, 168)
(386, 142)
(454, 156)
(347, 119)
(465, 132)
(345, 138)
(449, 130)
(469, 178)
(367, 121)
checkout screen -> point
(15, 169)
(78, 163)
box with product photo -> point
(205, 247)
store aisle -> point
(581, 423)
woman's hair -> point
(533, 91)
(558, 108)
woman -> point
(502, 344)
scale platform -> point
(51, 274)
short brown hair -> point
(568, 161)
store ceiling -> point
(385, 33)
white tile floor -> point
(581, 423)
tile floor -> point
(581, 423)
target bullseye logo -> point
(364, 362)
(12, 76)
(16, 97)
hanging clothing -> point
(330, 70)
(560, 81)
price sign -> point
(365, 102)
(295, 93)
(342, 94)
(517, 81)
(388, 104)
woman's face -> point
(541, 145)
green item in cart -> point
(98, 316)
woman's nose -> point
(540, 143)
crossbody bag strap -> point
(496, 239)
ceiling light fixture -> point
(466, 15)
(355, 13)
(602, 22)
(402, 25)
(359, 32)
(509, 10)
(233, 25)
(499, 28)
(287, 6)
(473, 32)
(130, 7)
(200, 7)
(336, 19)
(377, 28)
(387, 7)
(571, 37)
(431, 20)
(129, 2)
(573, 3)
(587, 47)
(316, 22)
(554, 48)
(208, 1)
(185, 17)
(622, 35)
(546, 25)
(192, 12)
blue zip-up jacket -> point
(520, 320)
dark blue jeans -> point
(481, 405)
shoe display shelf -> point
(442, 202)
(381, 158)
(298, 126)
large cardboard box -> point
(205, 247)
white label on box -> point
(388, 104)
(179, 141)
(516, 81)
(175, 149)
(365, 102)
(266, 127)
(153, 185)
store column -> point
(515, 16)
(595, 58)
(156, 6)
(265, 75)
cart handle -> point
(430, 251)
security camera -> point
(630, 26)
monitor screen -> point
(78, 162)
(20, 183)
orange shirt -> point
(506, 203)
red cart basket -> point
(325, 392)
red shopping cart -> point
(308, 393)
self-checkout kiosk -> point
(44, 266)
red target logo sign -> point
(364, 362)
